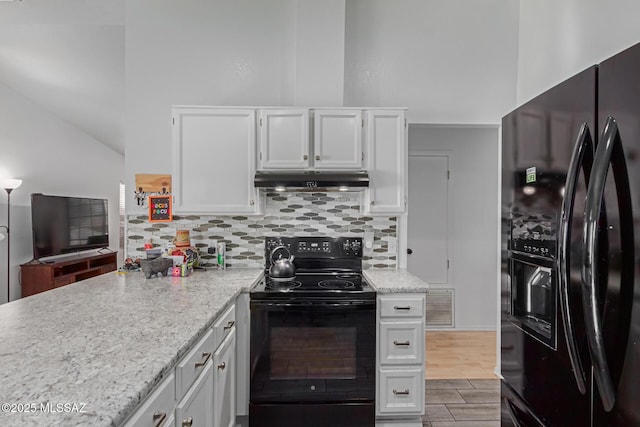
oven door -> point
(533, 297)
(313, 354)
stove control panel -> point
(318, 247)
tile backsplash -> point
(285, 214)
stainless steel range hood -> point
(311, 180)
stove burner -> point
(336, 284)
(283, 285)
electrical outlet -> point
(392, 244)
(368, 239)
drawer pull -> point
(222, 366)
(206, 356)
(159, 418)
(187, 422)
(403, 392)
(305, 157)
(402, 307)
(230, 324)
(402, 343)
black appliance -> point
(311, 180)
(63, 225)
(570, 309)
(313, 337)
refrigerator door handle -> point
(582, 156)
(610, 142)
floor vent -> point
(439, 309)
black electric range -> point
(313, 337)
(326, 267)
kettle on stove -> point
(282, 267)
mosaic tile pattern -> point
(286, 214)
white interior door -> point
(428, 218)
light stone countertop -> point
(104, 343)
(388, 281)
(100, 346)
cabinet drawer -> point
(224, 325)
(401, 392)
(402, 306)
(401, 343)
(157, 407)
(193, 363)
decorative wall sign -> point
(160, 209)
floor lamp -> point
(9, 185)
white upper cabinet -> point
(284, 139)
(387, 161)
(214, 160)
(337, 139)
(289, 139)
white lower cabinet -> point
(195, 409)
(157, 410)
(402, 391)
(224, 383)
(400, 360)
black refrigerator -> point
(570, 226)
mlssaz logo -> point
(312, 184)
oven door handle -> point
(328, 304)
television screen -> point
(64, 225)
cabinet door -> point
(284, 139)
(195, 409)
(387, 161)
(214, 160)
(401, 343)
(337, 139)
(224, 383)
(401, 392)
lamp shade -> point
(11, 183)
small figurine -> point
(154, 266)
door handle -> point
(409, 251)
(582, 155)
(609, 152)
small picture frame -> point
(160, 209)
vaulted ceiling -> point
(68, 57)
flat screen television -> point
(63, 225)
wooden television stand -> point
(42, 276)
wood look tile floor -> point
(461, 389)
(460, 355)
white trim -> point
(499, 258)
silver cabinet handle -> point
(222, 366)
(159, 418)
(305, 157)
(230, 324)
(402, 307)
(402, 343)
(317, 157)
(403, 392)
(251, 202)
(187, 422)
(206, 356)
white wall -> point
(447, 61)
(51, 157)
(200, 52)
(475, 172)
(561, 38)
